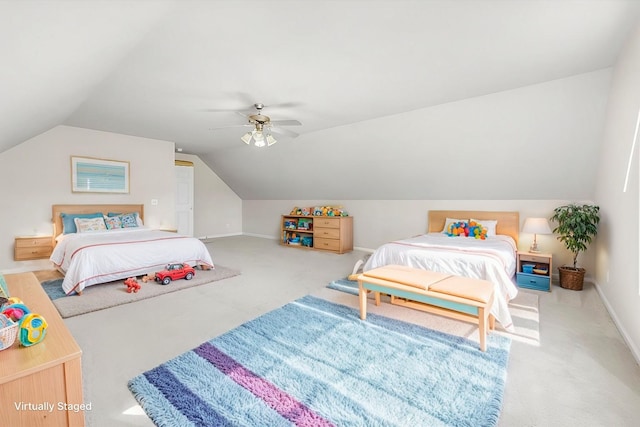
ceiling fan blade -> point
(286, 123)
(283, 105)
(285, 132)
(232, 126)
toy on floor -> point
(149, 277)
(175, 271)
(132, 285)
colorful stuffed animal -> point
(467, 229)
(132, 285)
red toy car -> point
(174, 272)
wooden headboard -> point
(508, 222)
(56, 210)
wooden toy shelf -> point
(331, 234)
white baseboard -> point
(635, 351)
(215, 236)
(262, 236)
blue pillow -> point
(69, 226)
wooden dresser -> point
(41, 385)
(333, 234)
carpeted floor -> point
(105, 295)
(523, 308)
(313, 362)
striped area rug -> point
(315, 363)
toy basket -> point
(8, 332)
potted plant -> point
(577, 225)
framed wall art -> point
(90, 175)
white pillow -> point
(449, 221)
(85, 225)
(489, 224)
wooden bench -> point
(460, 298)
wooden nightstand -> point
(540, 278)
(32, 247)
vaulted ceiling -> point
(368, 80)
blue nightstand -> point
(533, 271)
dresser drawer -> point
(533, 281)
(326, 222)
(327, 233)
(328, 244)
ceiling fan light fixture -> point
(246, 138)
(271, 140)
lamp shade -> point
(536, 226)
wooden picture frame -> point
(92, 175)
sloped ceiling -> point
(377, 85)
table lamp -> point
(536, 226)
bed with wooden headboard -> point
(492, 259)
(88, 258)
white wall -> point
(37, 174)
(217, 209)
(378, 221)
(617, 242)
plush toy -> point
(149, 277)
(132, 285)
(467, 229)
(33, 329)
(16, 311)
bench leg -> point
(482, 328)
(377, 295)
(362, 296)
(492, 322)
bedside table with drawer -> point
(32, 247)
(533, 271)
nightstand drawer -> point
(533, 281)
(533, 258)
(30, 242)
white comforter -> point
(493, 259)
(90, 258)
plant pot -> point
(571, 278)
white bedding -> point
(493, 259)
(90, 258)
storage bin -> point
(528, 268)
(8, 332)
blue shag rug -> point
(53, 289)
(345, 285)
(315, 363)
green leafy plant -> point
(577, 225)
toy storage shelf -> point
(330, 234)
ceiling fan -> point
(264, 128)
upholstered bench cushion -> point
(403, 275)
(465, 287)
